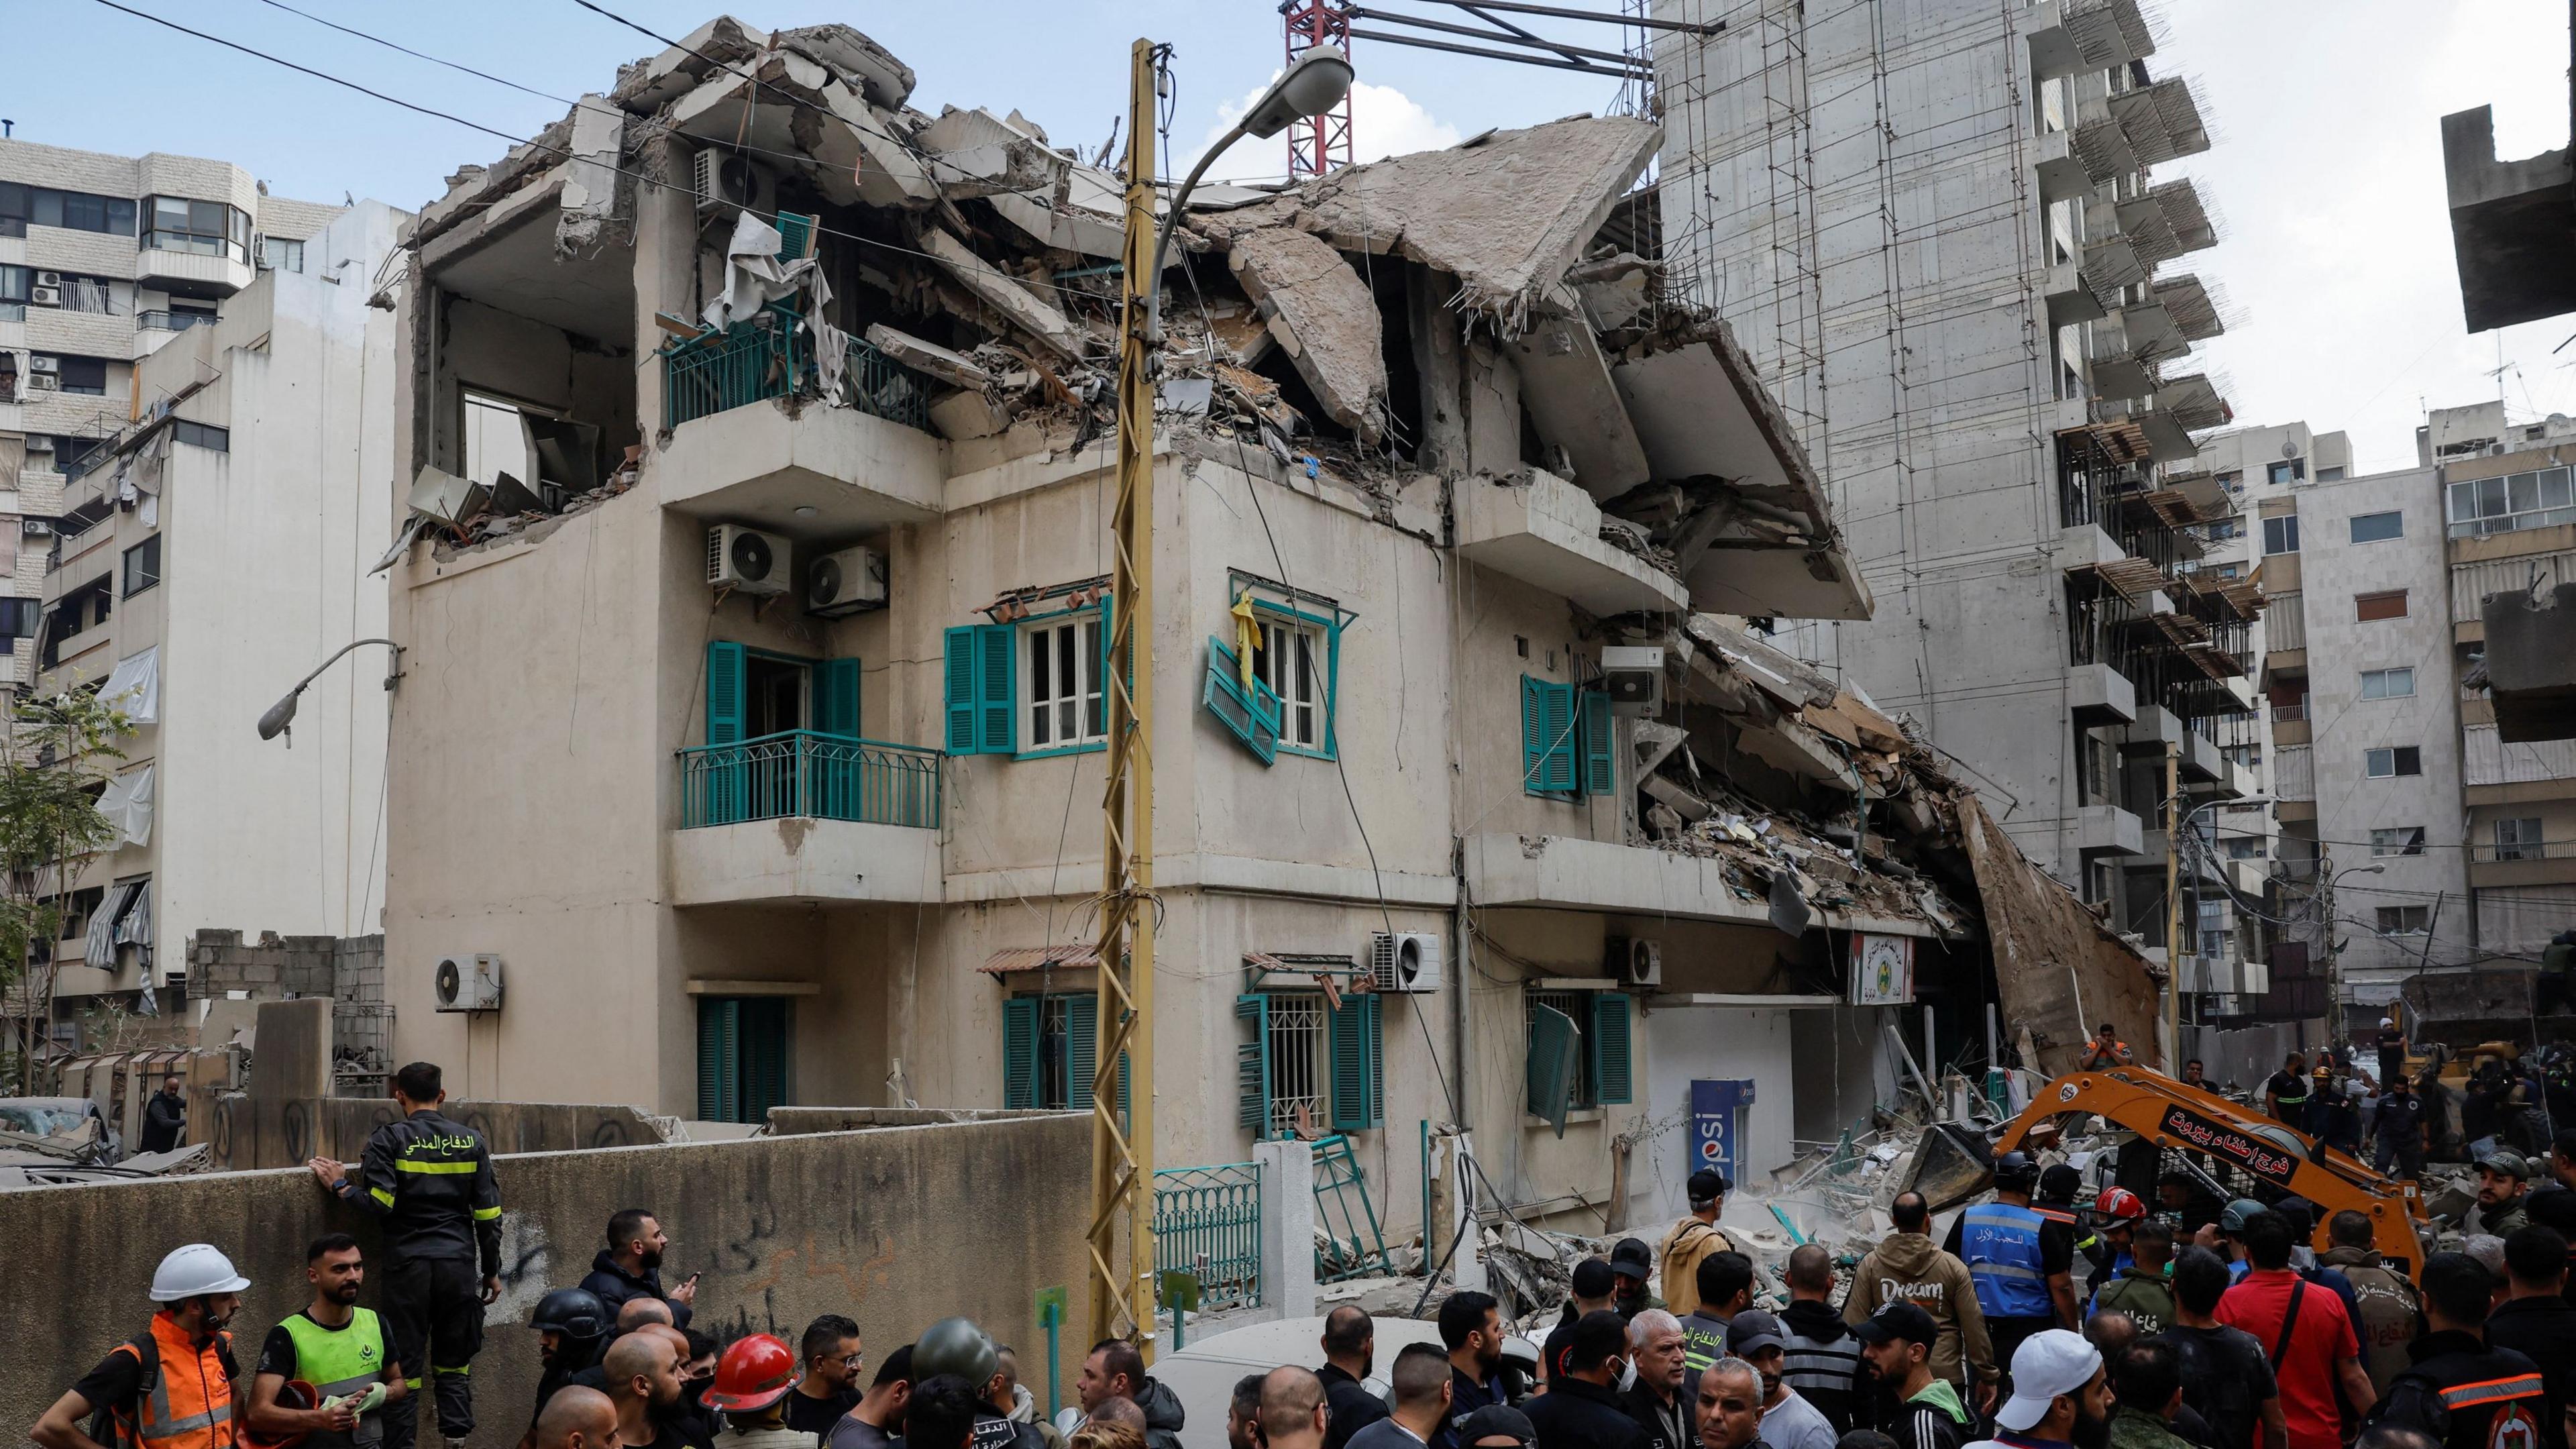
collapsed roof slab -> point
(1323, 316)
(856, 155)
(977, 153)
(650, 84)
(507, 259)
(1505, 213)
(1700, 411)
(1030, 313)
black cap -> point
(1898, 1320)
(1633, 1258)
(2060, 1183)
(1708, 1185)
(1496, 1421)
(1593, 1279)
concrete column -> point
(1287, 1227)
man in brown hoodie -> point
(1911, 1267)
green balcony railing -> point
(770, 355)
(816, 776)
(1207, 1221)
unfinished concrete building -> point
(756, 591)
(1945, 246)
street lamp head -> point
(279, 716)
(2369, 870)
(1313, 85)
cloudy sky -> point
(2327, 168)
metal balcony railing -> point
(770, 356)
(2492, 852)
(816, 776)
(1207, 1221)
(2289, 713)
(160, 321)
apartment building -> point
(1949, 252)
(755, 595)
(103, 260)
(206, 555)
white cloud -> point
(1384, 122)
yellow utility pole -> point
(1122, 1154)
(2174, 1053)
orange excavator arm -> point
(2173, 1115)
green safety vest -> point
(341, 1361)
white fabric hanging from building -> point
(134, 686)
(127, 804)
(136, 931)
(99, 950)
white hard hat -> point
(194, 1269)
(2388, 1021)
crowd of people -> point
(2034, 1324)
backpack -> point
(103, 1419)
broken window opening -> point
(1391, 283)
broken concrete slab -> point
(589, 196)
(949, 367)
(858, 155)
(964, 415)
(1506, 214)
(883, 79)
(1567, 390)
(1322, 315)
(977, 153)
(1031, 314)
(646, 86)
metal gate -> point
(1350, 1246)
(1207, 1220)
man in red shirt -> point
(2305, 1332)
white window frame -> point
(1043, 718)
(2384, 681)
(2514, 842)
(2371, 758)
(2397, 840)
(2282, 528)
(2352, 526)
(2410, 920)
(1305, 706)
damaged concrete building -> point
(756, 589)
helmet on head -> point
(2015, 1170)
(572, 1312)
(192, 1270)
(2118, 1204)
(753, 1374)
(2060, 1183)
(955, 1346)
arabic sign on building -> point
(1882, 969)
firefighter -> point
(431, 1179)
(753, 1380)
(171, 1386)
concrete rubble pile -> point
(76, 1147)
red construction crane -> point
(1319, 145)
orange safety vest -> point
(186, 1402)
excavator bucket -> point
(1951, 1165)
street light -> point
(2175, 829)
(1122, 1152)
(2334, 957)
(280, 718)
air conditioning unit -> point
(40, 442)
(731, 179)
(38, 362)
(845, 582)
(49, 279)
(45, 297)
(1408, 961)
(1634, 678)
(1645, 964)
(36, 527)
(747, 559)
(469, 983)
(44, 382)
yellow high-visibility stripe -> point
(406, 1165)
(485, 1215)
(381, 1196)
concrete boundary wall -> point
(895, 1226)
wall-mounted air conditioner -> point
(42, 296)
(725, 178)
(1407, 961)
(38, 362)
(845, 582)
(1644, 966)
(468, 983)
(746, 559)
(49, 279)
(44, 382)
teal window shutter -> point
(1548, 745)
(1600, 760)
(1081, 1050)
(836, 698)
(724, 777)
(961, 676)
(1252, 1066)
(1553, 1041)
(1611, 1073)
(764, 1055)
(1359, 1066)
(719, 1059)
(1251, 717)
(1020, 1053)
(981, 678)
(1533, 731)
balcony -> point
(2546, 862)
(1570, 873)
(855, 465)
(1547, 532)
(2108, 830)
(191, 273)
(158, 321)
(2098, 694)
(801, 816)
(2068, 36)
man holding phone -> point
(631, 1266)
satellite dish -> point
(2289, 449)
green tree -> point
(58, 754)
